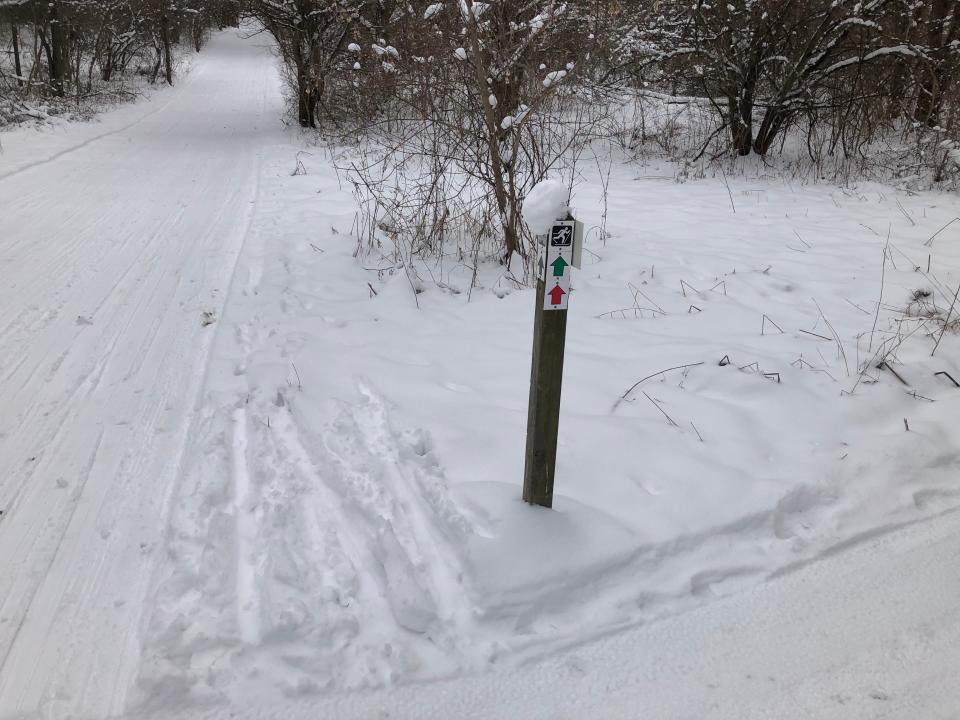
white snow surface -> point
(850, 637)
(245, 472)
(118, 236)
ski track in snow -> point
(112, 249)
(345, 569)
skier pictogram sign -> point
(558, 262)
(561, 235)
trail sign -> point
(558, 260)
(561, 235)
(568, 234)
(561, 252)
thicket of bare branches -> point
(76, 50)
(459, 107)
(477, 101)
(842, 73)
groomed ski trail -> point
(114, 250)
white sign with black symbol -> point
(559, 259)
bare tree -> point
(311, 36)
(772, 57)
(473, 100)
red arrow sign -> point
(556, 294)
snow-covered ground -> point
(868, 633)
(244, 468)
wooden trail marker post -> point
(561, 252)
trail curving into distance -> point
(112, 250)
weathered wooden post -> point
(561, 252)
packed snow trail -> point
(116, 255)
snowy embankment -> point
(350, 518)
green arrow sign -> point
(559, 266)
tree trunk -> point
(106, 72)
(157, 66)
(59, 51)
(165, 40)
(306, 100)
(930, 100)
(303, 102)
(932, 88)
(45, 46)
(198, 32)
(740, 110)
(771, 125)
(18, 69)
(93, 61)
